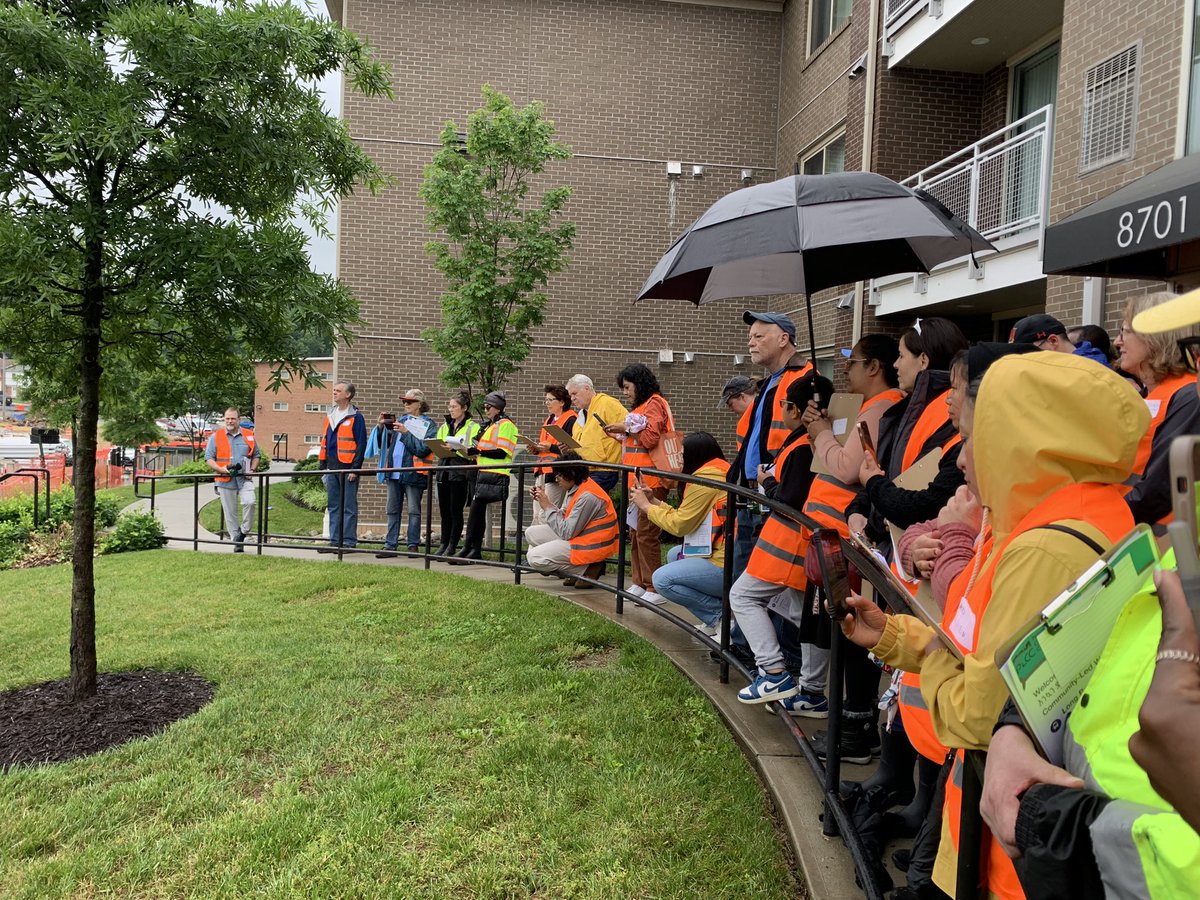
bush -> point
(108, 508)
(46, 548)
(19, 510)
(13, 539)
(308, 464)
(134, 531)
(310, 493)
(195, 467)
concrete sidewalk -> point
(825, 862)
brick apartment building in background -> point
(289, 423)
(1017, 114)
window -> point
(278, 437)
(1109, 110)
(1193, 107)
(829, 159)
(312, 439)
(314, 407)
(279, 407)
(826, 17)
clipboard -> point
(843, 414)
(441, 450)
(563, 439)
(1047, 664)
(530, 443)
(895, 592)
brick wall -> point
(630, 84)
(1091, 35)
(293, 422)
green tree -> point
(498, 246)
(153, 153)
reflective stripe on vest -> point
(545, 438)
(1099, 505)
(225, 449)
(778, 555)
(828, 497)
(598, 540)
(1158, 401)
(743, 426)
(779, 430)
(499, 435)
(935, 414)
(638, 456)
(996, 869)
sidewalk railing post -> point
(341, 525)
(429, 489)
(727, 583)
(623, 538)
(833, 735)
(196, 514)
(520, 525)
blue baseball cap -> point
(771, 318)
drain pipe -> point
(860, 300)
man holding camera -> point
(231, 453)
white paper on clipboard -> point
(699, 542)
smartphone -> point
(637, 477)
(834, 572)
(864, 435)
(1184, 460)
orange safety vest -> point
(637, 455)
(599, 538)
(717, 517)
(225, 449)
(778, 557)
(544, 438)
(743, 426)
(1158, 401)
(933, 417)
(347, 447)
(1100, 505)
(779, 430)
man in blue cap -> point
(772, 345)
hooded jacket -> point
(1033, 437)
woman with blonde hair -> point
(1156, 360)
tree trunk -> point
(83, 583)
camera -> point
(387, 420)
(234, 468)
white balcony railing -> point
(896, 9)
(998, 184)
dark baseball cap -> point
(1037, 327)
(770, 318)
(738, 384)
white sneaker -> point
(653, 598)
(636, 590)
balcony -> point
(964, 35)
(999, 185)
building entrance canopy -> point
(1148, 229)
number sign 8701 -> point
(1158, 219)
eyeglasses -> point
(550, 400)
(1189, 349)
(788, 404)
(851, 360)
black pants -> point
(452, 499)
(475, 522)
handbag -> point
(490, 487)
(667, 454)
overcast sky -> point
(322, 249)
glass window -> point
(312, 439)
(827, 17)
(314, 407)
(829, 160)
(280, 407)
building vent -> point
(1110, 110)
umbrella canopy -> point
(803, 233)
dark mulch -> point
(38, 724)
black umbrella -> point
(803, 233)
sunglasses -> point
(1189, 349)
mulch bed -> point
(39, 725)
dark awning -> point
(1148, 229)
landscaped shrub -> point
(308, 464)
(310, 493)
(45, 548)
(195, 467)
(13, 538)
(62, 507)
(134, 531)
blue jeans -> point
(342, 494)
(695, 584)
(748, 526)
(606, 478)
(398, 492)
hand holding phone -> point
(864, 435)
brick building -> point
(1015, 113)
(290, 422)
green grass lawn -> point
(377, 732)
(285, 516)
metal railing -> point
(998, 185)
(836, 820)
(896, 9)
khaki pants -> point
(548, 552)
(646, 544)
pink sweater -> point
(958, 547)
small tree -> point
(499, 246)
(152, 155)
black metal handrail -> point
(36, 489)
(836, 819)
